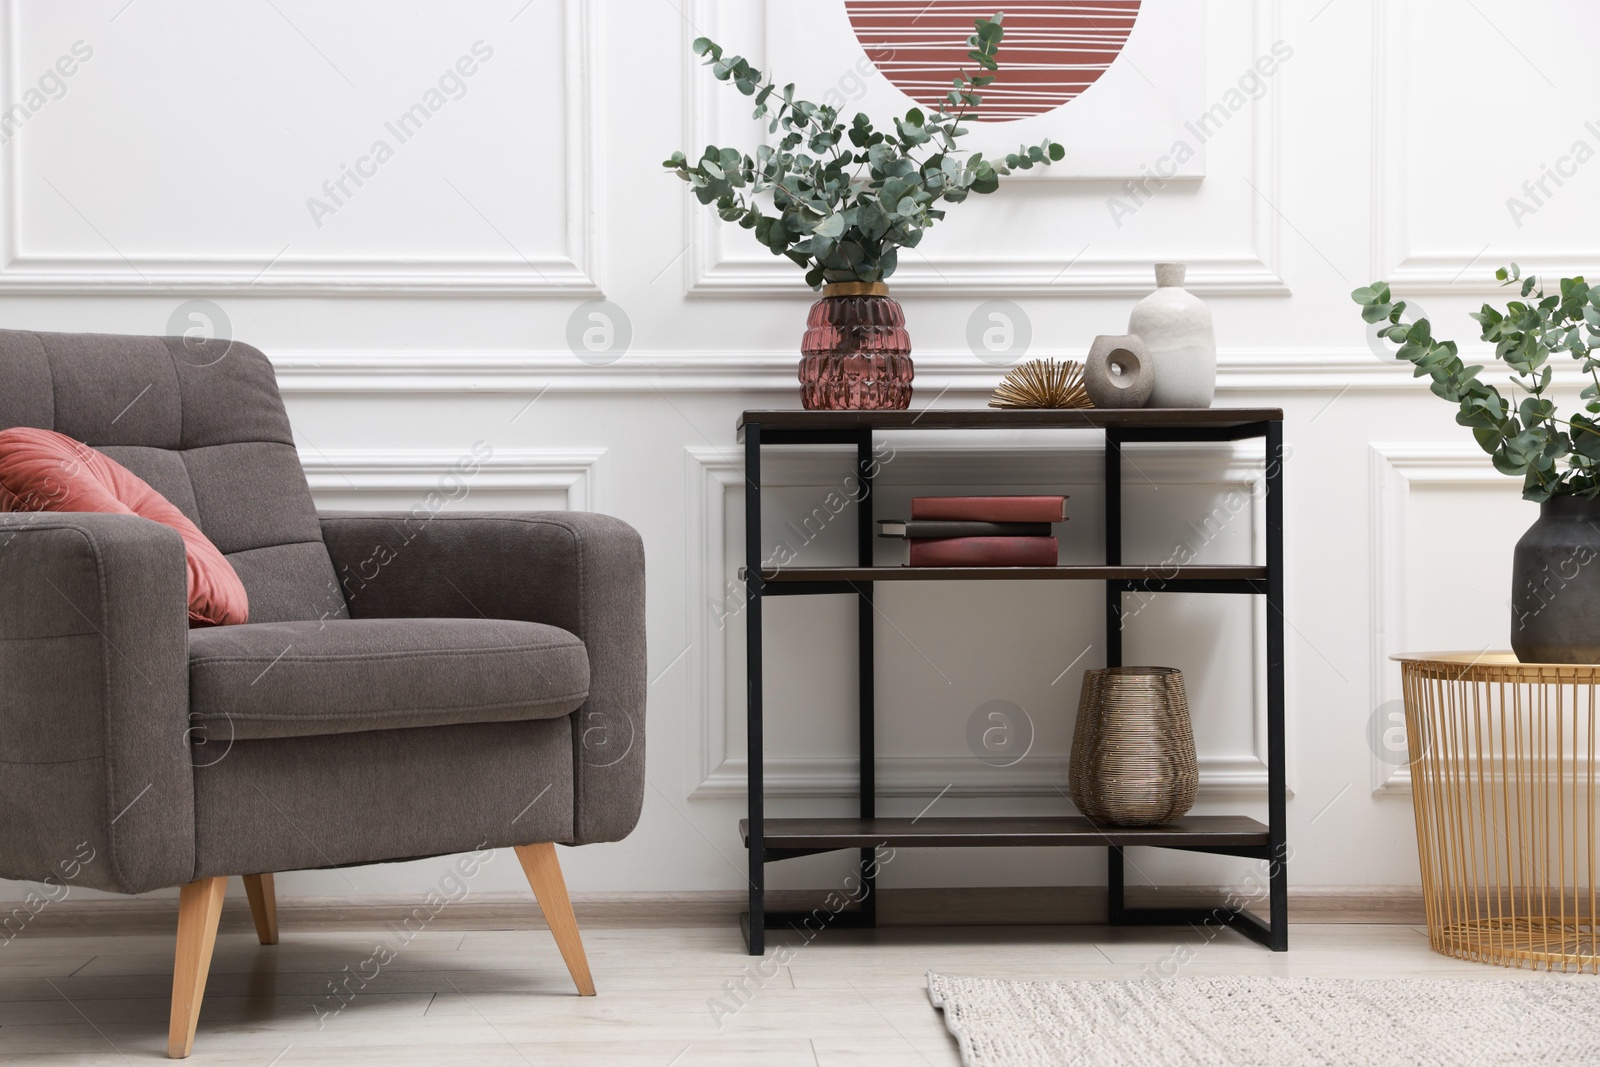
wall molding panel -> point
(420, 471)
(1395, 258)
(577, 273)
(1085, 273)
(1393, 469)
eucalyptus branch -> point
(1527, 439)
(851, 196)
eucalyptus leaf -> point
(832, 226)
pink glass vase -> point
(856, 354)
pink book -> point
(984, 552)
(991, 508)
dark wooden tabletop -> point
(999, 419)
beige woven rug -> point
(1271, 1022)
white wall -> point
(431, 309)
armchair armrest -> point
(96, 777)
(576, 570)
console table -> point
(771, 840)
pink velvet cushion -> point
(41, 470)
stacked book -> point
(980, 531)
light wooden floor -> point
(495, 997)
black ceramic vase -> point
(1555, 585)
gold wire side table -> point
(1503, 775)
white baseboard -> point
(1010, 906)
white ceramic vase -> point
(1177, 331)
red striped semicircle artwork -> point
(1051, 53)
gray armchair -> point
(409, 685)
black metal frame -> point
(1273, 934)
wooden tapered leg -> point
(539, 863)
(199, 908)
(263, 906)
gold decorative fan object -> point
(1043, 383)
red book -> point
(984, 552)
(991, 508)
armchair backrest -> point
(204, 424)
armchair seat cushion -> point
(297, 679)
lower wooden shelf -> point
(820, 835)
(1065, 572)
